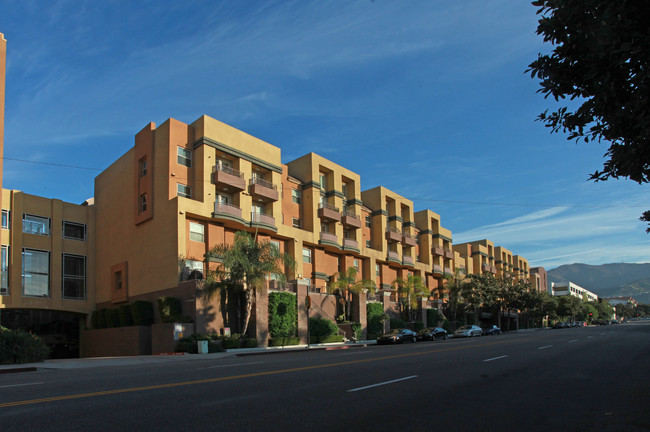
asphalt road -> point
(582, 379)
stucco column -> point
(360, 313)
(422, 310)
(303, 317)
(386, 302)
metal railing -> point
(228, 170)
(263, 183)
(328, 207)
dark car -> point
(397, 336)
(432, 333)
(492, 330)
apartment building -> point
(539, 279)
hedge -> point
(126, 319)
(283, 314)
(19, 346)
(326, 339)
(189, 344)
(433, 316)
(375, 317)
(284, 341)
(396, 323)
(142, 312)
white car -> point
(468, 331)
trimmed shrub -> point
(283, 314)
(433, 316)
(190, 346)
(142, 312)
(321, 330)
(101, 318)
(94, 320)
(284, 341)
(112, 318)
(19, 346)
(126, 319)
(169, 308)
(396, 323)
(375, 317)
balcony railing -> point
(227, 209)
(409, 240)
(349, 243)
(448, 253)
(407, 260)
(275, 285)
(437, 270)
(262, 219)
(393, 235)
(263, 189)
(329, 237)
(350, 219)
(393, 256)
(437, 250)
(328, 211)
(225, 176)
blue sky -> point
(427, 98)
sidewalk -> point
(81, 363)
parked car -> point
(492, 330)
(432, 333)
(468, 331)
(397, 336)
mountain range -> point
(607, 280)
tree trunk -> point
(250, 296)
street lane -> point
(566, 386)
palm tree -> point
(408, 290)
(346, 284)
(454, 284)
(244, 267)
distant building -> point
(621, 300)
(569, 288)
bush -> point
(356, 328)
(375, 316)
(283, 314)
(19, 346)
(320, 327)
(101, 318)
(326, 339)
(189, 344)
(284, 341)
(94, 320)
(112, 318)
(418, 325)
(433, 316)
(235, 341)
(142, 312)
(126, 319)
(396, 323)
(445, 325)
(170, 309)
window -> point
(142, 205)
(296, 223)
(183, 190)
(323, 181)
(5, 219)
(368, 221)
(355, 263)
(276, 245)
(306, 255)
(296, 195)
(369, 243)
(36, 225)
(4, 283)
(36, 273)
(142, 167)
(117, 280)
(184, 156)
(376, 269)
(74, 277)
(74, 231)
(196, 232)
(345, 190)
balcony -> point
(227, 178)
(436, 250)
(263, 190)
(221, 209)
(489, 268)
(437, 270)
(393, 256)
(350, 220)
(408, 261)
(326, 237)
(262, 219)
(393, 235)
(350, 244)
(329, 212)
(448, 253)
(409, 240)
(448, 271)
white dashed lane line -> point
(573, 340)
(544, 347)
(495, 358)
(382, 383)
(21, 385)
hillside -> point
(607, 280)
